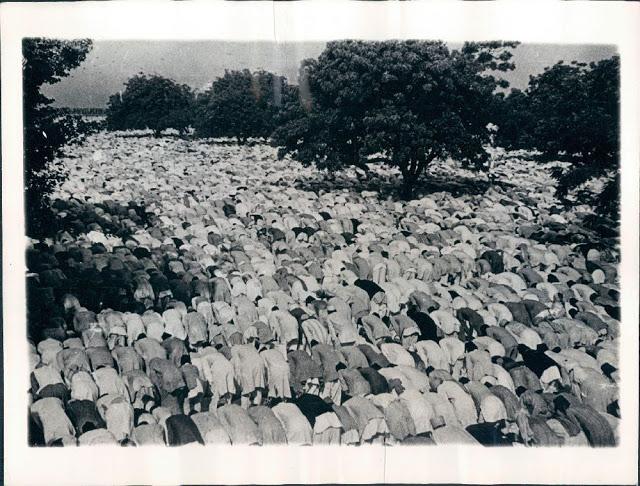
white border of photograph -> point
(616, 23)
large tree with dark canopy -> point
(151, 102)
(46, 129)
(575, 108)
(241, 104)
(570, 113)
(405, 103)
(514, 121)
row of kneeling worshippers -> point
(272, 314)
(243, 365)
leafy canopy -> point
(46, 129)
(406, 102)
(570, 112)
(151, 102)
(240, 104)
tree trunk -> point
(406, 190)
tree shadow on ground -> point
(390, 186)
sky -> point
(111, 63)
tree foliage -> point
(514, 120)
(240, 104)
(46, 129)
(405, 102)
(570, 112)
(151, 102)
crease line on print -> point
(384, 463)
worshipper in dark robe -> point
(429, 330)
(302, 368)
(181, 290)
(543, 366)
(470, 322)
(181, 431)
(534, 309)
(36, 436)
(373, 357)
(597, 429)
(377, 382)
(519, 312)
(369, 286)
(84, 416)
(495, 259)
(312, 406)
(530, 276)
(491, 433)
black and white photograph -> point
(347, 242)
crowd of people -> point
(201, 293)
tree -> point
(151, 102)
(514, 121)
(406, 103)
(575, 108)
(240, 104)
(570, 112)
(46, 129)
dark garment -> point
(328, 358)
(181, 430)
(181, 291)
(613, 311)
(57, 390)
(534, 308)
(489, 434)
(536, 361)
(591, 320)
(84, 416)
(369, 286)
(470, 321)
(312, 406)
(301, 368)
(598, 431)
(429, 330)
(519, 312)
(373, 357)
(377, 382)
(495, 260)
(35, 435)
(158, 282)
(530, 276)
